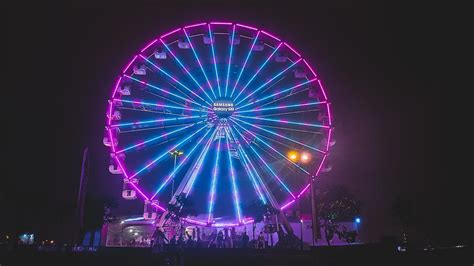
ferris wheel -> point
(223, 114)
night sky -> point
(391, 73)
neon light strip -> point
(262, 183)
(164, 91)
(155, 121)
(293, 50)
(277, 93)
(272, 172)
(214, 182)
(247, 27)
(109, 121)
(133, 219)
(133, 184)
(280, 107)
(230, 60)
(158, 137)
(321, 165)
(199, 62)
(329, 140)
(214, 58)
(169, 33)
(322, 90)
(184, 68)
(159, 207)
(235, 191)
(270, 80)
(150, 44)
(279, 135)
(245, 63)
(283, 97)
(129, 64)
(273, 149)
(249, 171)
(258, 71)
(157, 105)
(221, 23)
(174, 79)
(287, 205)
(303, 191)
(310, 68)
(200, 161)
(282, 121)
(271, 36)
(329, 114)
(167, 152)
(178, 167)
(195, 25)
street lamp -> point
(175, 154)
(301, 233)
(305, 157)
(293, 155)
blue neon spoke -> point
(230, 60)
(270, 169)
(158, 137)
(235, 191)
(155, 104)
(280, 107)
(161, 156)
(280, 121)
(174, 79)
(214, 59)
(258, 71)
(155, 121)
(165, 91)
(199, 62)
(270, 80)
(185, 69)
(215, 172)
(248, 170)
(245, 64)
(200, 161)
(273, 149)
(276, 94)
(279, 135)
(178, 167)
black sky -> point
(391, 72)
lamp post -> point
(301, 234)
(175, 154)
(302, 158)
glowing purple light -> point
(293, 50)
(221, 23)
(271, 36)
(129, 64)
(287, 205)
(148, 45)
(247, 27)
(195, 25)
(169, 33)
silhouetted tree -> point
(335, 205)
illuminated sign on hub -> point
(223, 108)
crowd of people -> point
(226, 238)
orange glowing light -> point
(293, 155)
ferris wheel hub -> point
(223, 107)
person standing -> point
(261, 241)
(220, 240)
(245, 240)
